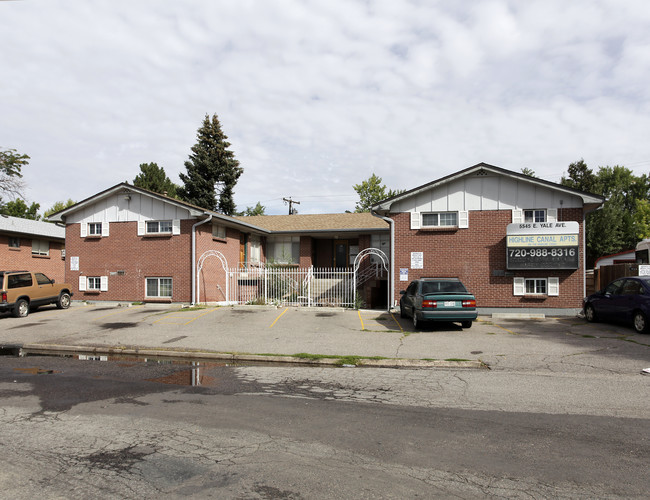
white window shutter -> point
(517, 216)
(415, 220)
(141, 227)
(84, 229)
(103, 284)
(518, 286)
(104, 228)
(82, 283)
(463, 219)
(551, 215)
(553, 287)
(176, 226)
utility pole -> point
(291, 202)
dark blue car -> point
(624, 299)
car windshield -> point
(442, 287)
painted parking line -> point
(361, 319)
(396, 322)
(276, 319)
(180, 318)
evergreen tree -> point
(211, 167)
(154, 178)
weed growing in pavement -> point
(457, 359)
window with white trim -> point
(40, 247)
(93, 283)
(535, 286)
(14, 242)
(440, 219)
(159, 227)
(159, 288)
(94, 229)
(535, 215)
(218, 231)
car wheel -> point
(466, 324)
(21, 309)
(63, 301)
(590, 313)
(416, 323)
(640, 322)
(402, 314)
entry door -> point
(243, 238)
(341, 254)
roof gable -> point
(466, 183)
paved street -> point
(562, 412)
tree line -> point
(212, 171)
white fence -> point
(292, 286)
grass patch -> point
(490, 333)
(193, 308)
(340, 360)
(589, 336)
(457, 359)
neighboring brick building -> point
(515, 241)
(131, 244)
(32, 246)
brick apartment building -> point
(515, 241)
(32, 246)
(131, 244)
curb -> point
(257, 358)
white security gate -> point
(325, 287)
(292, 286)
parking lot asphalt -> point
(269, 333)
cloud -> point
(316, 96)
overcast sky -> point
(315, 96)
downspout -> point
(391, 277)
(194, 254)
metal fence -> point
(291, 286)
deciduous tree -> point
(11, 164)
(18, 208)
(371, 192)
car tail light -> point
(469, 303)
(4, 296)
(429, 304)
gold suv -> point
(21, 291)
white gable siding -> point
(489, 192)
(118, 209)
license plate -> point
(450, 303)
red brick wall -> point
(472, 254)
(306, 243)
(22, 259)
(138, 256)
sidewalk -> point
(320, 336)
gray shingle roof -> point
(10, 224)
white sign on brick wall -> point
(417, 260)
